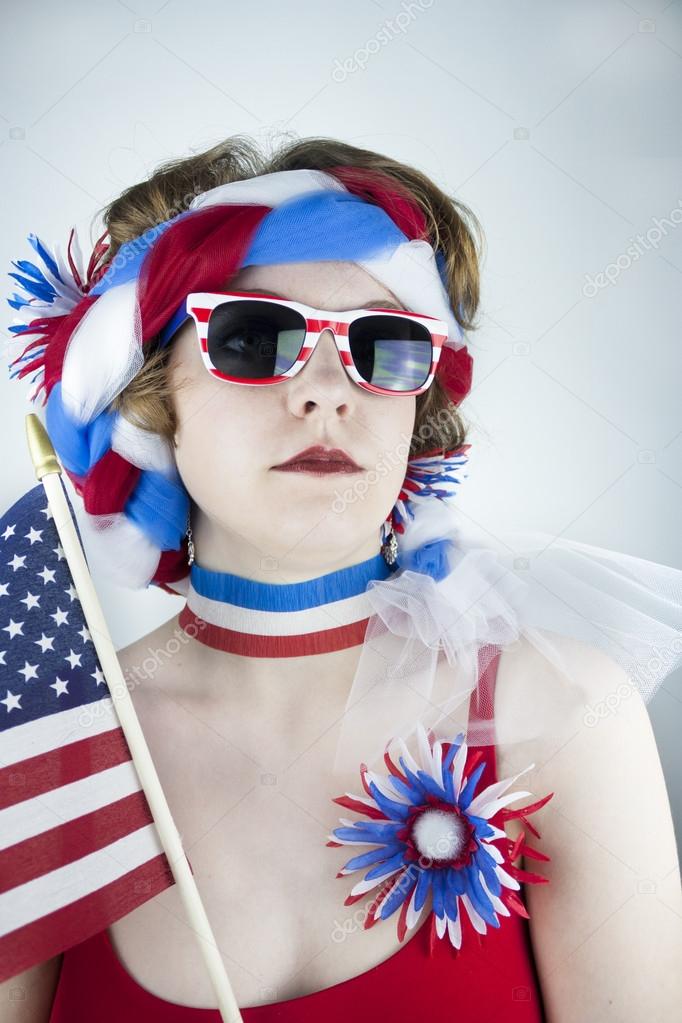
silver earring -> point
(389, 545)
(190, 542)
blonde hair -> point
(148, 399)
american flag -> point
(78, 846)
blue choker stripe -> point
(235, 589)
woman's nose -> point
(323, 381)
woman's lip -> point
(318, 467)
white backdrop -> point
(556, 122)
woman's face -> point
(252, 519)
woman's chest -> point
(256, 839)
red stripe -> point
(320, 642)
(57, 931)
(72, 840)
(109, 484)
(48, 771)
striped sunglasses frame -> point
(200, 306)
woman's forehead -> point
(326, 284)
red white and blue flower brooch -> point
(435, 834)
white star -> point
(14, 628)
(29, 671)
(9, 532)
(34, 535)
(72, 592)
(97, 675)
(30, 600)
(11, 701)
(59, 551)
(17, 562)
(46, 511)
(73, 659)
(4, 590)
(2, 657)
(60, 617)
(45, 642)
(47, 575)
(59, 685)
(84, 634)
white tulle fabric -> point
(103, 354)
(146, 450)
(428, 641)
(119, 550)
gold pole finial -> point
(43, 454)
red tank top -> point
(491, 978)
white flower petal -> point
(412, 914)
(490, 809)
(365, 886)
(477, 921)
(455, 929)
(498, 905)
(496, 789)
(506, 879)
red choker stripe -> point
(251, 645)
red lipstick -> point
(320, 461)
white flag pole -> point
(48, 471)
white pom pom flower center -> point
(439, 835)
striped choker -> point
(242, 616)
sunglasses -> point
(257, 339)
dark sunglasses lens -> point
(391, 352)
(253, 339)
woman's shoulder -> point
(549, 692)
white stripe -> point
(35, 899)
(268, 189)
(280, 623)
(56, 730)
(36, 815)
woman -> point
(337, 606)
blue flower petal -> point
(390, 807)
(401, 892)
(423, 885)
(479, 899)
(469, 790)
(386, 866)
(373, 856)
(362, 831)
(483, 828)
(31, 269)
(46, 256)
(43, 291)
(456, 880)
(409, 791)
(412, 777)
(486, 864)
(431, 785)
(451, 899)
(438, 892)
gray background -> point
(557, 123)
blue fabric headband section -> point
(235, 589)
